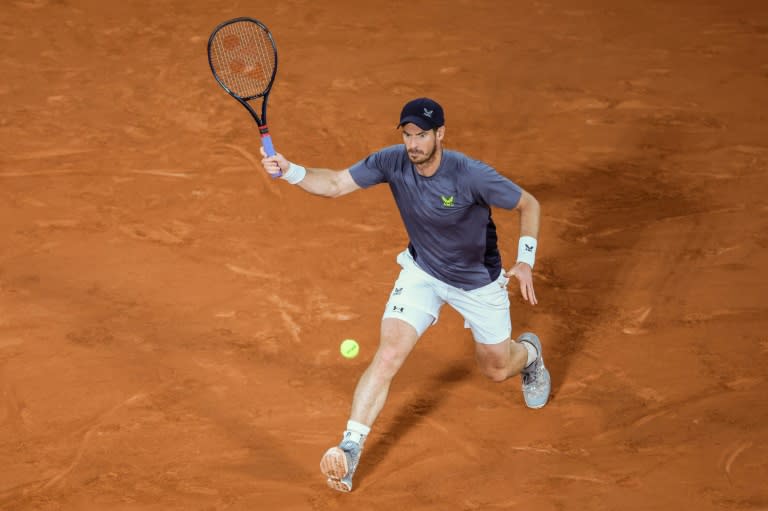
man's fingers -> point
(270, 164)
(526, 290)
(526, 283)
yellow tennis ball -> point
(349, 348)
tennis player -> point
(445, 200)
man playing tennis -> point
(445, 200)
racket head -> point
(243, 57)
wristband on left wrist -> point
(526, 250)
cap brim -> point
(418, 121)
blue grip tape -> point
(266, 141)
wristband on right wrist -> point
(294, 174)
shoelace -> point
(531, 379)
(352, 449)
(350, 446)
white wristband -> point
(295, 174)
(526, 250)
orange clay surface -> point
(170, 317)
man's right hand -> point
(275, 165)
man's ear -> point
(440, 132)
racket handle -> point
(266, 141)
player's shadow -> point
(609, 204)
(426, 402)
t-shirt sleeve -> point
(376, 167)
(491, 188)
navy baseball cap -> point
(425, 113)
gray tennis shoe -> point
(536, 381)
(339, 464)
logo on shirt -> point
(397, 291)
(447, 201)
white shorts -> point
(418, 296)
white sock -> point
(533, 353)
(357, 431)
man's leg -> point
(523, 356)
(397, 341)
(486, 312)
(500, 361)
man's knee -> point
(495, 360)
(397, 341)
(494, 373)
(391, 356)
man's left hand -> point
(524, 274)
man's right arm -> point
(328, 183)
(323, 182)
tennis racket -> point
(243, 59)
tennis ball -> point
(349, 348)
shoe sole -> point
(334, 466)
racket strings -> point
(243, 57)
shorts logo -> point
(397, 291)
(447, 201)
(395, 308)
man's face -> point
(421, 144)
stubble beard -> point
(423, 159)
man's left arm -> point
(530, 215)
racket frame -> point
(261, 121)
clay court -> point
(170, 317)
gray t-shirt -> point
(447, 215)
